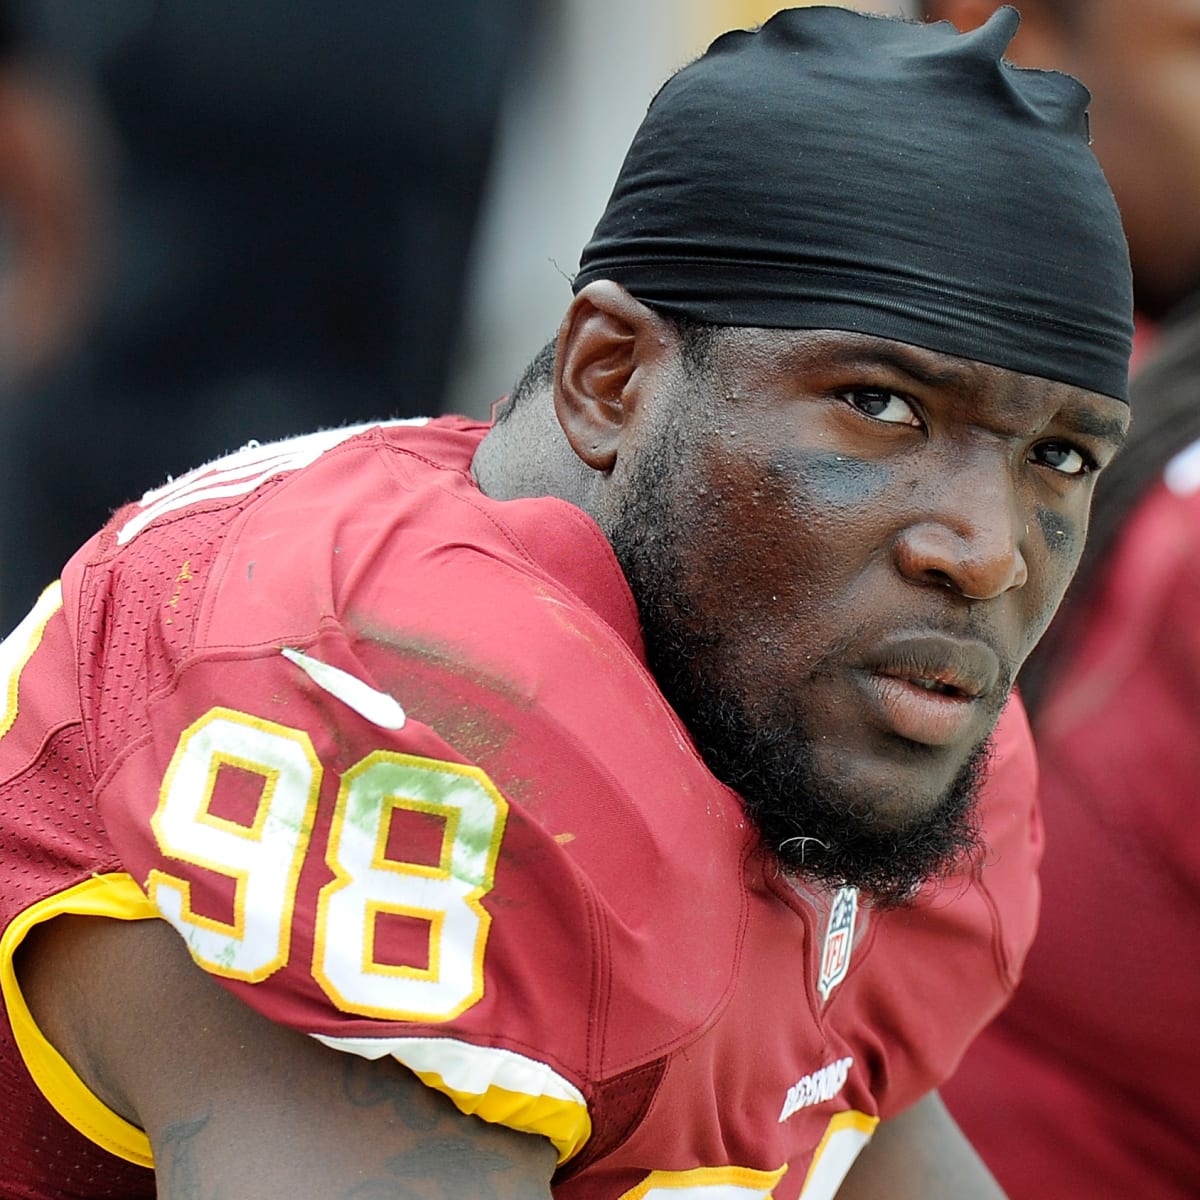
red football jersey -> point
(1076, 1091)
(387, 754)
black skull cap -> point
(839, 170)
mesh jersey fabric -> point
(526, 886)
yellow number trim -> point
(115, 896)
(236, 928)
(433, 917)
(448, 897)
(263, 858)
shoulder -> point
(373, 796)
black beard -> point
(806, 820)
(812, 829)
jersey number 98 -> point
(263, 857)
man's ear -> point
(605, 342)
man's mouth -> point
(928, 689)
(936, 685)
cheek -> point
(1062, 539)
(1055, 560)
(830, 482)
(828, 504)
(792, 528)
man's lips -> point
(928, 688)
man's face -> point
(842, 549)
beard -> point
(814, 830)
(809, 821)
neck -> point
(527, 455)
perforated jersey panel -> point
(143, 607)
(134, 617)
(618, 1105)
(43, 1158)
(49, 832)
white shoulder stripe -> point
(464, 1066)
(377, 707)
(239, 473)
(17, 649)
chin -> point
(888, 830)
(888, 842)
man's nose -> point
(970, 542)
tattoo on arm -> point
(177, 1156)
(439, 1167)
(365, 1088)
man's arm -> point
(920, 1155)
(235, 1105)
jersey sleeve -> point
(352, 875)
(340, 740)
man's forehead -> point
(838, 354)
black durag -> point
(836, 170)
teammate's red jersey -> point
(387, 754)
(1085, 1066)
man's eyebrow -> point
(960, 376)
(1091, 424)
(913, 364)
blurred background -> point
(223, 220)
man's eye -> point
(1063, 457)
(882, 405)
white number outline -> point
(474, 814)
(264, 860)
(257, 943)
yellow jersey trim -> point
(115, 896)
(723, 1180)
(565, 1123)
(845, 1136)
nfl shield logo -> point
(839, 941)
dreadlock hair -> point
(1165, 396)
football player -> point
(624, 800)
